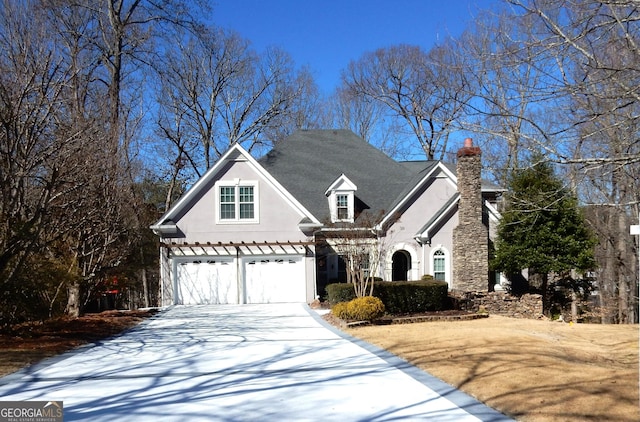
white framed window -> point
(341, 195)
(366, 265)
(236, 202)
(440, 264)
(342, 206)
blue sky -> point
(327, 34)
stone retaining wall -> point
(499, 303)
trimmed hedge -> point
(398, 297)
(340, 292)
(403, 297)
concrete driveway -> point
(240, 363)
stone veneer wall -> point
(471, 236)
(500, 303)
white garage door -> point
(274, 279)
(206, 281)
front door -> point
(400, 266)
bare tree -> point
(70, 114)
(360, 249)
(45, 132)
(426, 91)
(127, 34)
(33, 154)
(362, 246)
(106, 48)
(192, 86)
(216, 91)
(357, 113)
(368, 119)
(611, 187)
(508, 88)
(596, 48)
(306, 110)
(563, 78)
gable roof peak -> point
(235, 153)
(341, 183)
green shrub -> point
(427, 277)
(413, 296)
(32, 293)
(398, 297)
(359, 309)
(340, 292)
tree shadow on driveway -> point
(238, 363)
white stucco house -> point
(249, 230)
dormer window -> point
(342, 205)
(341, 196)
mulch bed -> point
(449, 315)
(27, 343)
(89, 327)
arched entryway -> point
(400, 265)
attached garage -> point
(258, 279)
(274, 279)
(206, 281)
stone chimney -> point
(471, 236)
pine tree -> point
(543, 230)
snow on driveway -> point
(239, 363)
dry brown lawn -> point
(539, 371)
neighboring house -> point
(251, 231)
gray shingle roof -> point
(307, 162)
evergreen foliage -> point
(542, 228)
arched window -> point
(439, 264)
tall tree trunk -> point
(143, 276)
(574, 306)
(634, 298)
(623, 280)
(73, 300)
